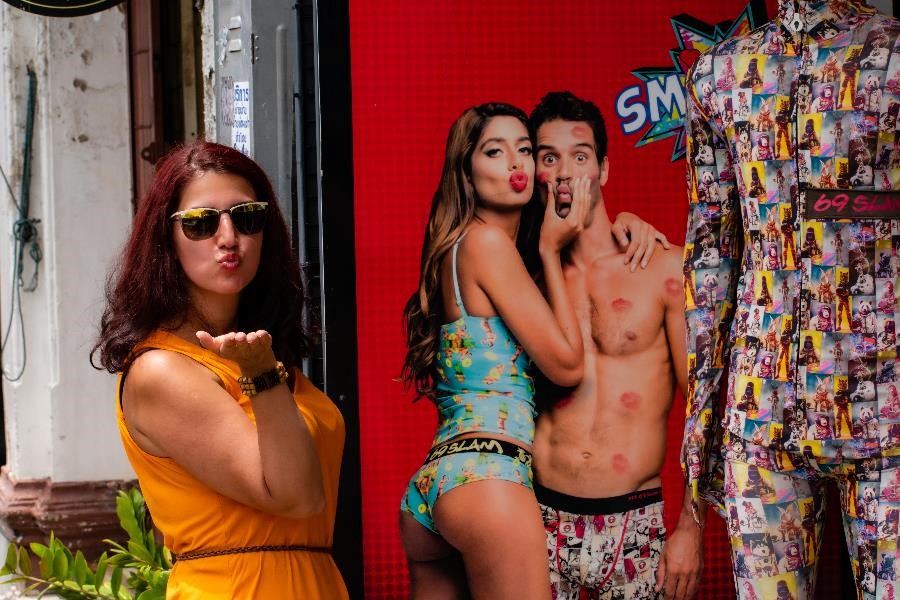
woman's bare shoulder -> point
(157, 374)
(487, 243)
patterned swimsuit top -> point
(483, 382)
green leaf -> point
(38, 549)
(123, 508)
(137, 502)
(115, 581)
(47, 564)
(24, 562)
(100, 573)
(120, 559)
(134, 497)
(127, 519)
(12, 557)
(65, 550)
(151, 595)
(116, 546)
(61, 564)
(139, 552)
(81, 571)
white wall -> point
(60, 418)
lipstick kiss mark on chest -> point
(621, 304)
(620, 464)
(673, 286)
(630, 400)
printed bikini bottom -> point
(453, 464)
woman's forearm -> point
(291, 472)
(561, 305)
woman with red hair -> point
(237, 453)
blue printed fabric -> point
(483, 383)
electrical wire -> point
(12, 194)
(15, 308)
(24, 233)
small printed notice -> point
(240, 128)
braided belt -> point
(195, 554)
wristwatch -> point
(251, 386)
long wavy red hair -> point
(147, 289)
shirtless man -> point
(599, 451)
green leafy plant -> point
(139, 570)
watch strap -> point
(264, 381)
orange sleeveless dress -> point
(192, 517)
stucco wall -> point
(60, 415)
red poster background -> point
(415, 67)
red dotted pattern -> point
(415, 67)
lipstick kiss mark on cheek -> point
(543, 178)
(620, 464)
(630, 400)
(621, 304)
(673, 286)
(580, 131)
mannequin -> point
(825, 66)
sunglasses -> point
(202, 223)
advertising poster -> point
(415, 67)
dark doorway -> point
(166, 104)
(325, 141)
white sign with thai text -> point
(240, 128)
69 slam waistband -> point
(480, 444)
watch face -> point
(63, 8)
